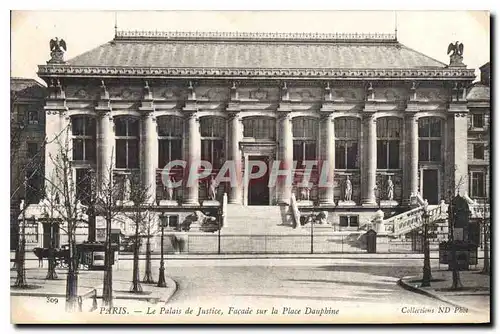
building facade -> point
(479, 137)
(27, 155)
(388, 120)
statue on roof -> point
(456, 52)
(457, 49)
(57, 49)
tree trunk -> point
(72, 277)
(51, 273)
(486, 268)
(136, 286)
(107, 289)
(91, 226)
(148, 276)
(20, 264)
(456, 283)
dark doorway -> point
(430, 185)
(47, 235)
(258, 189)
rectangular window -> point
(477, 120)
(121, 153)
(394, 154)
(478, 184)
(348, 221)
(478, 151)
(435, 151)
(32, 150)
(429, 150)
(169, 150)
(83, 185)
(303, 150)
(346, 154)
(381, 154)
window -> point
(170, 132)
(304, 139)
(478, 184)
(259, 128)
(83, 185)
(127, 142)
(346, 143)
(213, 133)
(170, 221)
(477, 120)
(429, 141)
(388, 137)
(32, 150)
(32, 117)
(478, 151)
(33, 187)
(84, 138)
(348, 221)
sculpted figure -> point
(390, 189)
(348, 189)
(212, 189)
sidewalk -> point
(474, 295)
(89, 280)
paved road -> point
(359, 290)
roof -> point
(246, 50)
(478, 92)
(26, 87)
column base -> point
(327, 203)
(369, 204)
(191, 203)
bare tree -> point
(140, 197)
(67, 206)
(454, 190)
(149, 228)
(107, 192)
(485, 222)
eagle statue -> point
(457, 49)
(57, 45)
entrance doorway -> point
(258, 189)
(47, 233)
(430, 184)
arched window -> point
(259, 128)
(83, 138)
(213, 133)
(305, 132)
(127, 142)
(388, 138)
(170, 131)
(347, 131)
(429, 139)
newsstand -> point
(466, 254)
(92, 254)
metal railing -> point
(92, 294)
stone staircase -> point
(263, 219)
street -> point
(321, 289)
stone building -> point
(479, 140)
(27, 134)
(387, 119)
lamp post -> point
(161, 277)
(426, 278)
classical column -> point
(286, 157)
(413, 155)
(149, 161)
(327, 157)
(371, 160)
(235, 156)
(193, 159)
(53, 129)
(105, 143)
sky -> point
(429, 32)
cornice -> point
(252, 36)
(250, 73)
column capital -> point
(191, 115)
(327, 115)
(284, 114)
(235, 115)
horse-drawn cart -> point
(90, 256)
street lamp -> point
(426, 278)
(161, 277)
